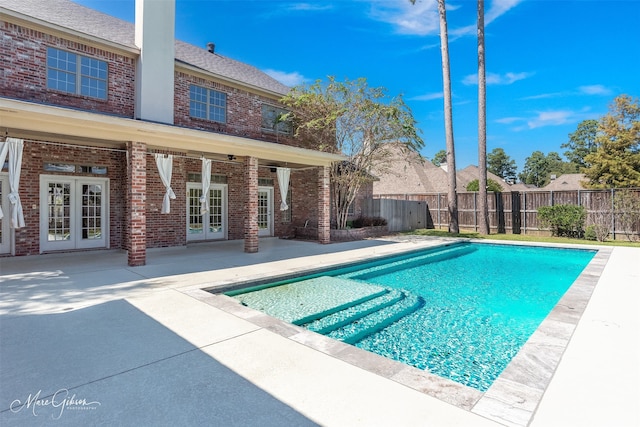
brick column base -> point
(324, 206)
(136, 216)
(251, 205)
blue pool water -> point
(462, 312)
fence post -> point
(613, 216)
(524, 209)
(475, 212)
(439, 225)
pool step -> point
(373, 322)
(355, 312)
(435, 255)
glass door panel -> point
(73, 213)
(195, 231)
(211, 225)
(91, 211)
(265, 202)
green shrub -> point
(590, 233)
(491, 186)
(365, 221)
(563, 220)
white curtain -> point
(206, 183)
(4, 149)
(283, 181)
(165, 166)
(15, 165)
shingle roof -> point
(567, 181)
(471, 172)
(70, 15)
(408, 173)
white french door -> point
(74, 213)
(212, 225)
(265, 210)
(5, 237)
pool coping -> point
(512, 398)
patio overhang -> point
(37, 121)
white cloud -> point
(427, 96)
(420, 18)
(582, 90)
(289, 79)
(552, 118)
(509, 120)
(497, 79)
(594, 90)
(499, 8)
(308, 7)
(543, 96)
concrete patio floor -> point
(86, 340)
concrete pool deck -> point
(89, 341)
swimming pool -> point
(461, 312)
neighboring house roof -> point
(408, 173)
(78, 18)
(523, 187)
(567, 181)
(471, 173)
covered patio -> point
(138, 139)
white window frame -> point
(207, 105)
(79, 75)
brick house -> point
(105, 110)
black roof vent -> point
(211, 47)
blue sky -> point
(550, 64)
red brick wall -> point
(35, 154)
(135, 231)
(304, 193)
(244, 111)
(23, 55)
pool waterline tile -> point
(513, 397)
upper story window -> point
(207, 104)
(272, 119)
(80, 75)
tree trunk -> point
(448, 121)
(483, 217)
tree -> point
(483, 217)
(491, 186)
(535, 169)
(448, 119)
(439, 158)
(357, 121)
(499, 163)
(581, 143)
(557, 166)
(452, 197)
(616, 161)
(538, 168)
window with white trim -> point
(207, 104)
(77, 74)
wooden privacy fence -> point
(509, 212)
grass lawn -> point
(522, 238)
